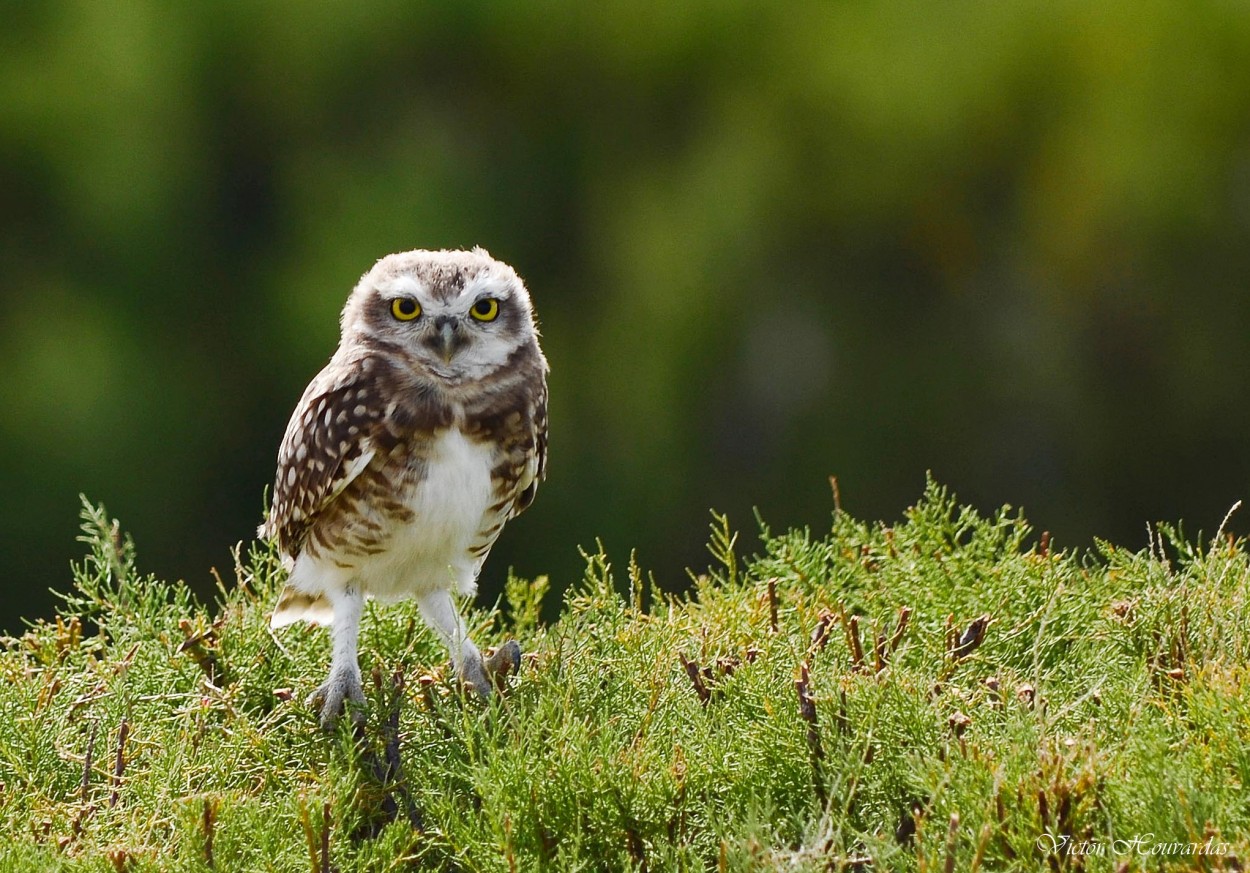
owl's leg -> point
(343, 686)
(439, 612)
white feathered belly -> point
(448, 506)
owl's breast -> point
(452, 496)
(446, 493)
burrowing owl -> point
(406, 455)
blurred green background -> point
(768, 242)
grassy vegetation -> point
(935, 695)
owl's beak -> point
(445, 341)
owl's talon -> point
(503, 662)
(339, 692)
(472, 675)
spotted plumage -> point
(424, 434)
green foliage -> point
(941, 693)
(767, 241)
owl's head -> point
(456, 315)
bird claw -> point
(340, 691)
(472, 674)
(503, 662)
(487, 675)
(343, 691)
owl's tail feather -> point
(295, 605)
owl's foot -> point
(472, 673)
(503, 662)
(341, 690)
(485, 676)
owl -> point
(424, 434)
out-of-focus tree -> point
(768, 242)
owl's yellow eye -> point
(405, 308)
(486, 309)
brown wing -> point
(536, 461)
(331, 438)
(514, 420)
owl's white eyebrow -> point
(486, 286)
(400, 286)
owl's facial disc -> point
(455, 326)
